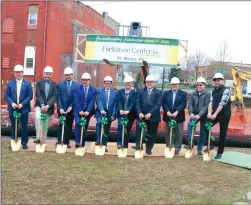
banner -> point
(131, 50)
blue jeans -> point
(202, 136)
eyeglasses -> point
(199, 85)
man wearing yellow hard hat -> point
(18, 95)
(46, 96)
(219, 110)
(65, 91)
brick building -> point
(40, 33)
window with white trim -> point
(29, 60)
(32, 18)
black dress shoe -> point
(134, 147)
(68, 146)
(176, 152)
(199, 152)
(119, 146)
(25, 146)
(206, 150)
(37, 141)
(106, 150)
(96, 143)
(10, 147)
(218, 156)
(57, 143)
(188, 146)
(77, 146)
(148, 152)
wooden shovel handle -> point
(16, 128)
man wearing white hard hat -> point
(219, 110)
(46, 96)
(197, 110)
(84, 106)
(18, 95)
(126, 109)
(106, 106)
(174, 104)
(148, 103)
(65, 93)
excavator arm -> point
(238, 76)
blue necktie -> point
(106, 97)
(85, 95)
(174, 96)
(68, 88)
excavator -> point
(238, 76)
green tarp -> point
(236, 158)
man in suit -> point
(65, 92)
(46, 96)
(148, 103)
(18, 95)
(84, 102)
(197, 109)
(126, 108)
(106, 106)
(174, 104)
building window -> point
(29, 60)
(5, 63)
(8, 25)
(32, 18)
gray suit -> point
(44, 97)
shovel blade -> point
(207, 156)
(190, 154)
(169, 153)
(61, 149)
(15, 145)
(122, 152)
(80, 151)
(40, 148)
(139, 154)
(99, 150)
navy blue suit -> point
(26, 95)
(131, 116)
(180, 104)
(145, 106)
(83, 103)
(65, 100)
(111, 111)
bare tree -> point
(197, 60)
(222, 54)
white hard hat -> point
(219, 76)
(175, 80)
(150, 78)
(128, 79)
(48, 69)
(68, 71)
(108, 78)
(201, 80)
(86, 76)
(18, 68)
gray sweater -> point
(198, 104)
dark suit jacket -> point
(26, 95)
(79, 100)
(131, 102)
(180, 104)
(101, 103)
(41, 97)
(152, 106)
(63, 99)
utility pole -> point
(163, 76)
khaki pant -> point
(41, 133)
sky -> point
(203, 24)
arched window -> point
(8, 25)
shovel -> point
(16, 143)
(207, 156)
(61, 148)
(122, 152)
(139, 154)
(169, 151)
(81, 150)
(40, 147)
(191, 152)
(100, 149)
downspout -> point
(45, 29)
